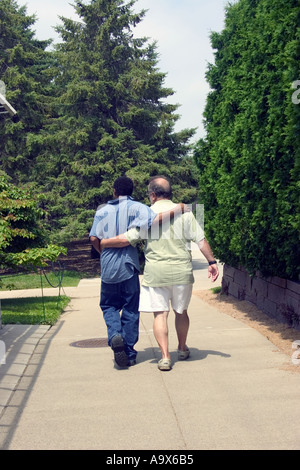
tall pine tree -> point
(109, 118)
(25, 69)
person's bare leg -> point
(182, 323)
(160, 331)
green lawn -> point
(36, 310)
(35, 281)
(33, 310)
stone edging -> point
(275, 296)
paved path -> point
(233, 393)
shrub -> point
(249, 159)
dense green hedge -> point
(249, 160)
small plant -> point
(216, 290)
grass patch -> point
(216, 290)
(33, 310)
(36, 310)
(35, 280)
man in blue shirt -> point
(120, 287)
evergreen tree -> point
(109, 119)
(25, 69)
(249, 161)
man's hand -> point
(213, 272)
(166, 216)
(96, 243)
(183, 208)
(205, 249)
(120, 241)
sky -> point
(181, 29)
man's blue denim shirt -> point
(115, 218)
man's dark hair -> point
(123, 186)
(160, 190)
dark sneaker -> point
(117, 345)
(131, 362)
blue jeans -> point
(122, 296)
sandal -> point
(183, 355)
(164, 364)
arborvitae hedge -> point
(249, 160)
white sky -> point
(181, 29)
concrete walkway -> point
(60, 390)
